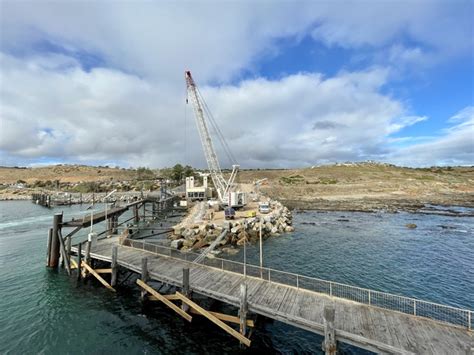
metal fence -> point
(438, 312)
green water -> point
(45, 311)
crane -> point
(224, 188)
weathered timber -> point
(48, 246)
(79, 260)
(103, 271)
(214, 320)
(185, 288)
(243, 309)
(114, 266)
(171, 305)
(144, 276)
(368, 327)
(225, 317)
(54, 256)
(329, 343)
(64, 255)
(97, 276)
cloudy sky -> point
(289, 83)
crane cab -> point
(237, 199)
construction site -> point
(222, 212)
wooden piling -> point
(114, 266)
(68, 251)
(79, 260)
(48, 246)
(329, 343)
(54, 256)
(144, 276)
(88, 252)
(185, 290)
(243, 309)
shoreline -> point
(367, 205)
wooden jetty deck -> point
(371, 327)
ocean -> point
(45, 311)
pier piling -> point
(329, 343)
(144, 276)
(79, 261)
(54, 255)
(113, 277)
(185, 290)
(243, 309)
(48, 246)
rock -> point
(236, 229)
(274, 230)
(178, 230)
(200, 244)
(411, 225)
(189, 242)
(289, 229)
(177, 244)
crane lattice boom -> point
(222, 186)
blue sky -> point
(290, 86)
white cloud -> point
(454, 147)
(70, 114)
(130, 105)
(160, 40)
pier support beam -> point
(185, 290)
(329, 343)
(114, 266)
(243, 309)
(79, 260)
(68, 252)
(48, 246)
(144, 276)
(54, 255)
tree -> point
(188, 171)
(177, 173)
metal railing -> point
(412, 306)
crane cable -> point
(216, 129)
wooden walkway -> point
(372, 328)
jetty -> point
(368, 319)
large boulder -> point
(289, 229)
(177, 243)
(189, 242)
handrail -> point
(408, 305)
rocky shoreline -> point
(449, 208)
(199, 235)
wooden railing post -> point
(114, 266)
(329, 343)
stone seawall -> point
(200, 235)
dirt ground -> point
(355, 187)
(366, 187)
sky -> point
(290, 83)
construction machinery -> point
(226, 189)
